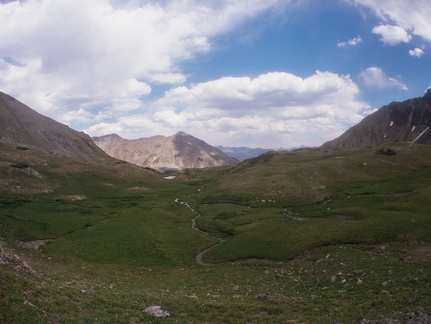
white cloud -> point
(352, 42)
(105, 129)
(74, 54)
(171, 118)
(392, 35)
(376, 77)
(412, 16)
(168, 78)
(418, 52)
(276, 109)
(271, 90)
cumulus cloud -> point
(273, 109)
(376, 77)
(351, 42)
(411, 16)
(271, 90)
(392, 35)
(61, 54)
(418, 52)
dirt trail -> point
(218, 240)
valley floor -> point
(298, 237)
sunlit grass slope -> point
(281, 204)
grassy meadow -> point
(309, 236)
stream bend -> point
(218, 240)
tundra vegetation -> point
(309, 236)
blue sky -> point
(257, 73)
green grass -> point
(324, 236)
(332, 283)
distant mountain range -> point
(24, 128)
(164, 153)
(243, 153)
(408, 121)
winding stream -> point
(218, 240)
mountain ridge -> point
(24, 127)
(408, 121)
(164, 153)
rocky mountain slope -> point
(25, 128)
(164, 153)
(408, 121)
(40, 155)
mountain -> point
(408, 121)
(25, 128)
(40, 155)
(243, 153)
(164, 153)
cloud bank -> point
(116, 66)
(96, 66)
(270, 109)
(66, 53)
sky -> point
(255, 73)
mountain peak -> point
(165, 153)
(427, 95)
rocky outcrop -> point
(164, 153)
(26, 129)
(12, 261)
(156, 311)
(408, 121)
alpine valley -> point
(335, 234)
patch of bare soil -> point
(34, 245)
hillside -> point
(164, 153)
(313, 174)
(40, 155)
(408, 121)
(25, 128)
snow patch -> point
(413, 128)
(391, 123)
(419, 136)
(170, 177)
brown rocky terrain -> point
(164, 153)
